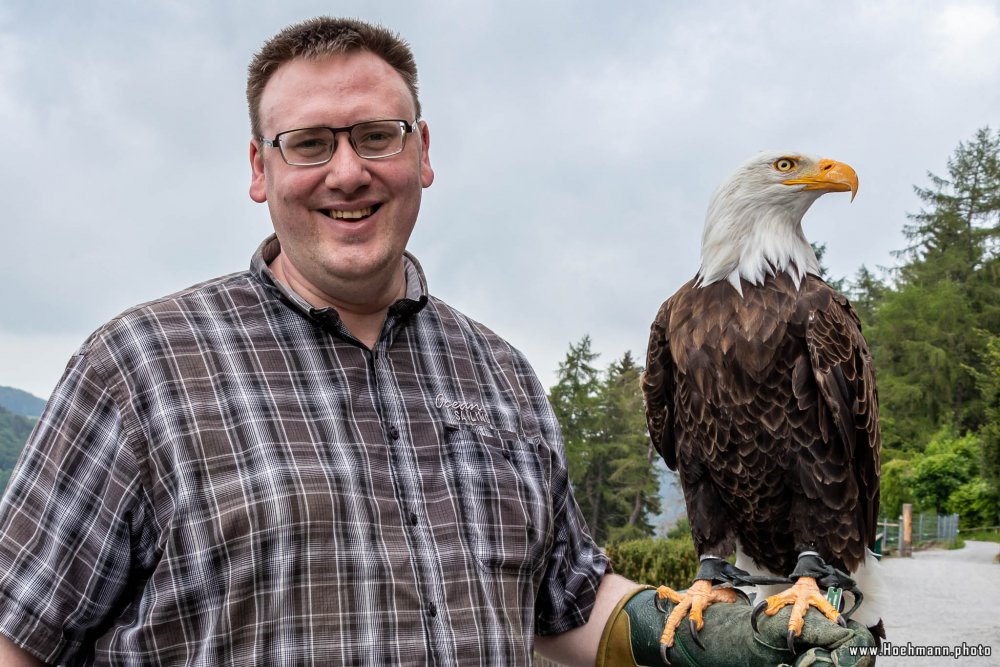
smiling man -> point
(314, 461)
(343, 224)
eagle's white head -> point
(754, 223)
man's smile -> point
(352, 215)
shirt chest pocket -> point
(503, 497)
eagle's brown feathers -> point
(766, 405)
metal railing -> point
(927, 527)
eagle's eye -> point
(784, 164)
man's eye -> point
(308, 145)
(375, 138)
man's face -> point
(332, 252)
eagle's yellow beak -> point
(829, 175)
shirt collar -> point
(412, 302)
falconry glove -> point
(631, 638)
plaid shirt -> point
(226, 476)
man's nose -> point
(346, 171)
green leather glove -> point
(632, 638)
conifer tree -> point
(633, 487)
(607, 447)
(931, 330)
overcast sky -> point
(575, 147)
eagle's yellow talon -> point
(692, 603)
(802, 595)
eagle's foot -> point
(691, 603)
(802, 595)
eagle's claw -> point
(693, 629)
(664, 649)
(691, 604)
(801, 596)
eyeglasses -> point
(371, 140)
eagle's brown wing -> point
(658, 387)
(844, 468)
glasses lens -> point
(309, 146)
(379, 138)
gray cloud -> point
(575, 147)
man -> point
(313, 461)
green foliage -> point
(976, 504)
(929, 332)
(988, 380)
(896, 487)
(608, 451)
(956, 233)
(680, 530)
(866, 293)
(574, 400)
(948, 463)
(982, 535)
(633, 483)
(935, 336)
(824, 273)
(925, 340)
(14, 432)
(670, 561)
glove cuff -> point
(628, 635)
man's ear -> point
(426, 172)
(258, 184)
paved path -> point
(942, 597)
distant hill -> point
(20, 402)
(14, 432)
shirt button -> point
(413, 518)
(432, 610)
(394, 433)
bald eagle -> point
(760, 392)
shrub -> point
(976, 504)
(656, 561)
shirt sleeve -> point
(73, 523)
(576, 564)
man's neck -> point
(362, 310)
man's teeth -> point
(351, 215)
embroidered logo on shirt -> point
(464, 411)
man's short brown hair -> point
(324, 36)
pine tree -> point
(866, 291)
(633, 488)
(607, 448)
(575, 399)
(931, 330)
(960, 228)
(824, 272)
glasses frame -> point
(405, 128)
